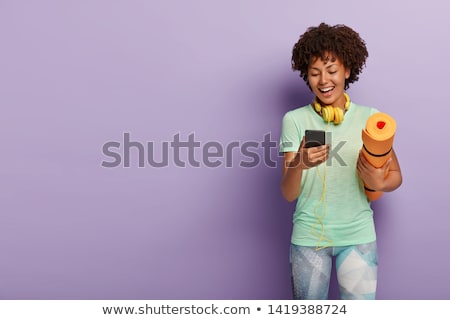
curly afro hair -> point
(339, 41)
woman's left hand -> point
(372, 177)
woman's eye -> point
(332, 72)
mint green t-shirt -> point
(332, 209)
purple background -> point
(76, 74)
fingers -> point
(362, 162)
(373, 177)
(315, 155)
(359, 163)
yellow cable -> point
(329, 114)
(321, 237)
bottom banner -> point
(221, 309)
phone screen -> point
(314, 138)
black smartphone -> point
(314, 138)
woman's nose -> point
(323, 79)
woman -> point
(333, 217)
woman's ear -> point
(347, 73)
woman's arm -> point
(295, 163)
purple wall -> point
(75, 75)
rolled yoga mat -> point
(378, 139)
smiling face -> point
(327, 80)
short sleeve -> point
(290, 139)
(373, 111)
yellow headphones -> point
(330, 113)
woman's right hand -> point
(310, 157)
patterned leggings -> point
(356, 271)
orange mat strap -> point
(376, 155)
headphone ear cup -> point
(328, 113)
(338, 115)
